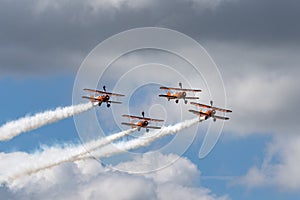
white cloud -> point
(178, 192)
(280, 167)
(182, 171)
(90, 180)
(261, 84)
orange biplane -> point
(181, 94)
(104, 97)
(142, 123)
(210, 112)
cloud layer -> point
(55, 36)
(90, 180)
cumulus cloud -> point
(182, 171)
(280, 166)
(90, 180)
(260, 83)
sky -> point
(255, 45)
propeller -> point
(214, 111)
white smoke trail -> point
(56, 156)
(143, 141)
(28, 123)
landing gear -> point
(185, 101)
(176, 101)
(147, 130)
(99, 104)
(108, 105)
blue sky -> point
(255, 46)
(35, 95)
(230, 158)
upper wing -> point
(191, 97)
(207, 106)
(167, 96)
(198, 112)
(219, 117)
(102, 92)
(143, 118)
(180, 89)
(132, 117)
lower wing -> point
(91, 98)
(219, 117)
(129, 124)
(198, 112)
(118, 102)
(153, 127)
(191, 97)
(167, 96)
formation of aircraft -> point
(207, 111)
(180, 93)
(103, 97)
(210, 111)
(142, 122)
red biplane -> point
(143, 122)
(104, 97)
(181, 94)
(210, 112)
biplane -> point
(143, 122)
(180, 93)
(210, 112)
(103, 97)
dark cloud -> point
(53, 35)
(246, 21)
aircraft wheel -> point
(99, 104)
(108, 105)
(185, 101)
(147, 130)
(176, 101)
